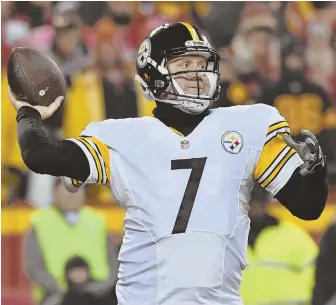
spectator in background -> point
(120, 16)
(303, 103)
(219, 19)
(103, 92)
(118, 88)
(320, 55)
(36, 13)
(233, 92)
(79, 279)
(91, 11)
(67, 49)
(325, 277)
(60, 232)
(256, 48)
(280, 258)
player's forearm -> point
(42, 154)
(305, 196)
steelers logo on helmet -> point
(143, 53)
(232, 142)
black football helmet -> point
(167, 42)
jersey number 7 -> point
(197, 167)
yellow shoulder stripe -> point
(278, 168)
(276, 126)
(104, 151)
(95, 157)
(176, 131)
(192, 31)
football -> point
(34, 77)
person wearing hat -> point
(280, 256)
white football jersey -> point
(186, 199)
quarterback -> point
(183, 177)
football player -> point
(183, 177)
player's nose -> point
(196, 76)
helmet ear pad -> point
(157, 82)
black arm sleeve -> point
(43, 155)
(305, 196)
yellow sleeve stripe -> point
(192, 31)
(272, 149)
(75, 182)
(276, 133)
(278, 168)
(96, 159)
(277, 126)
(104, 151)
(277, 159)
(107, 178)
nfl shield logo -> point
(185, 144)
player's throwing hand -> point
(45, 112)
(309, 151)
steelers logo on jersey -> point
(232, 142)
(143, 53)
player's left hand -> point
(309, 151)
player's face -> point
(190, 81)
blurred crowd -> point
(282, 54)
(278, 53)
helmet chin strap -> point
(186, 104)
(197, 109)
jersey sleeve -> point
(98, 156)
(277, 160)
